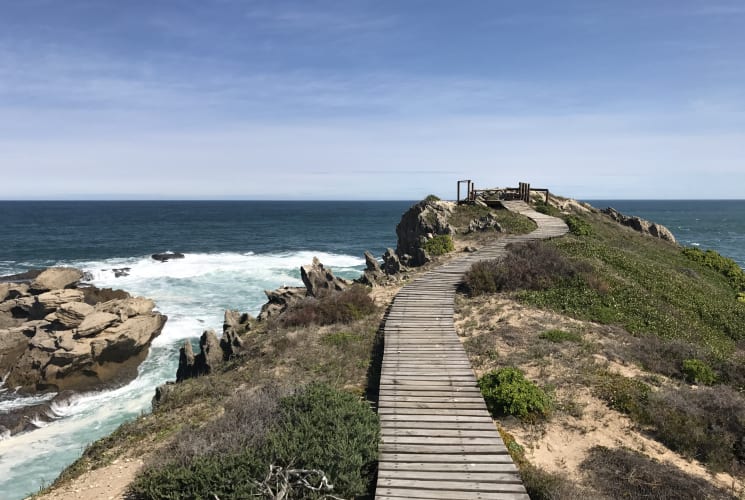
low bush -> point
(706, 423)
(623, 473)
(546, 208)
(528, 266)
(316, 428)
(339, 307)
(723, 265)
(507, 392)
(698, 372)
(561, 336)
(439, 244)
(578, 226)
(432, 197)
(623, 394)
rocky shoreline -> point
(60, 336)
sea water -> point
(234, 250)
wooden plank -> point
(444, 458)
(401, 432)
(424, 494)
(461, 467)
(438, 440)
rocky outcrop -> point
(641, 225)
(488, 222)
(163, 257)
(278, 300)
(391, 262)
(53, 339)
(319, 281)
(423, 219)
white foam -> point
(193, 292)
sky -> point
(379, 99)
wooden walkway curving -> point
(437, 438)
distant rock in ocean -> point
(166, 256)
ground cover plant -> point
(316, 428)
(439, 244)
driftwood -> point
(280, 482)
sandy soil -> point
(562, 444)
(106, 483)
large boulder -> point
(641, 225)
(209, 358)
(61, 342)
(56, 278)
(423, 219)
(391, 262)
(166, 256)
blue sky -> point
(383, 99)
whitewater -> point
(194, 293)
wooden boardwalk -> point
(437, 438)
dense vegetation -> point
(316, 429)
(507, 392)
(440, 244)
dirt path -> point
(106, 483)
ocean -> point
(234, 250)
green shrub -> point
(723, 265)
(527, 266)
(440, 244)
(337, 307)
(432, 197)
(560, 336)
(316, 428)
(698, 372)
(578, 226)
(546, 208)
(507, 392)
(623, 394)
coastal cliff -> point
(626, 325)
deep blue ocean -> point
(234, 251)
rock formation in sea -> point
(56, 335)
(641, 225)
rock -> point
(166, 256)
(162, 392)
(66, 340)
(470, 249)
(391, 263)
(210, 357)
(56, 278)
(13, 343)
(279, 299)
(25, 277)
(641, 225)
(230, 344)
(371, 263)
(487, 222)
(185, 363)
(4, 291)
(95, 322)
(238, 322)
(319, 280)
(421, 219)
(71, 314)
(128, 307)
(122, 271)
(119, 342)
(50, 301)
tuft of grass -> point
(560, 336)
(546, 208)
(507, 392)
(440, 244)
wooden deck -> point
(437, 438)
